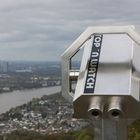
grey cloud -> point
(29, 28)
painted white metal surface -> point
(113, 96)
(74, 47)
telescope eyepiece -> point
(95, 113)
(115, 113)
(115, 109)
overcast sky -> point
(43, 29)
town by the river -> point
(19, 97)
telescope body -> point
(108, 82)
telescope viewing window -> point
(75, 63)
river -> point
(19, 97)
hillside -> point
(49, 118)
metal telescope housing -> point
(108, 82)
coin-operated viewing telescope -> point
(108, 82)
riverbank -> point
(49, 117)
(46, 115)
(19, 97)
